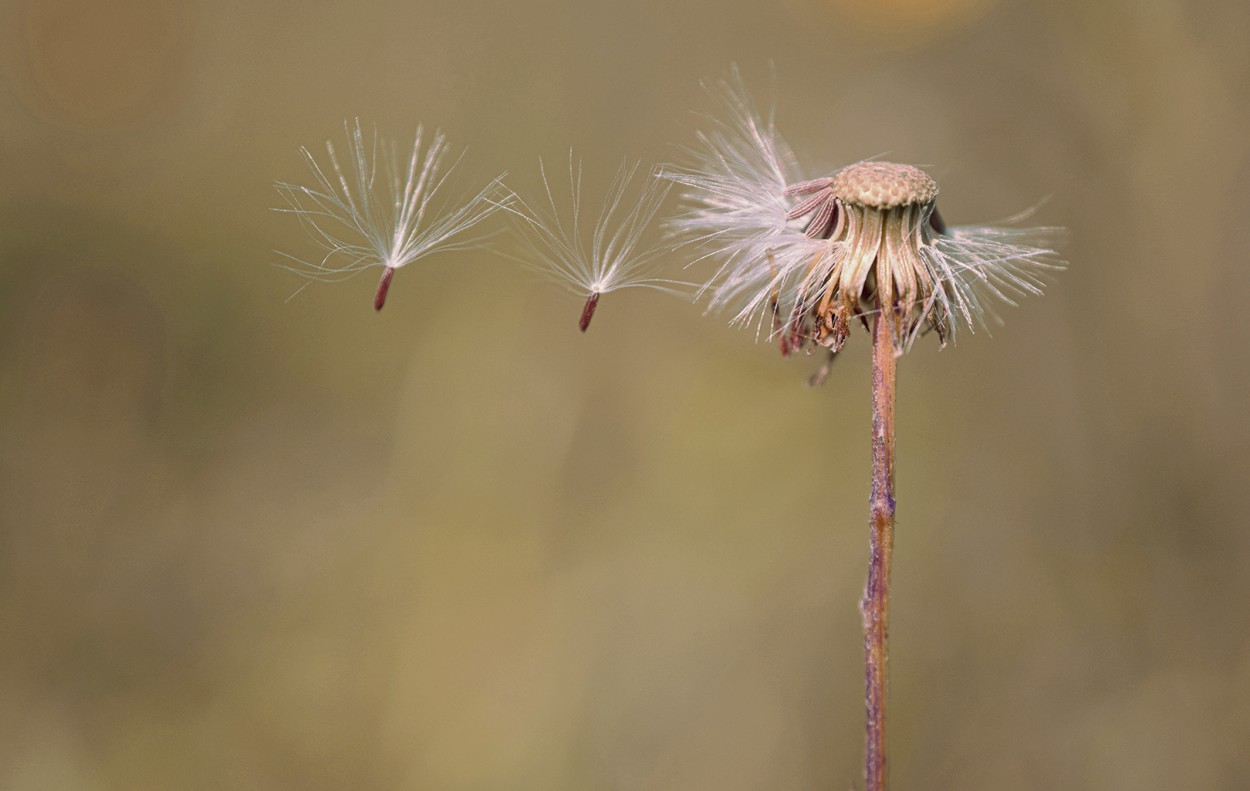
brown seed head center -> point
(883, 185)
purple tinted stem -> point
(588, 312)
(383, 286)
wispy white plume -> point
(736, 177)
(592, 255)
(377, 209)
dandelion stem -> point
(876, 602)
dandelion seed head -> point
(808, 258)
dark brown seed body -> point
(384, 285)
(588, 312)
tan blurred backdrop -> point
(255, 544)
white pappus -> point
(377, 209)
(600, 252)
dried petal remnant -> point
(875, 217)
(886, 248)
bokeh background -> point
(249, 543)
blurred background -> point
(249, 543)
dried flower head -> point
(813, 256)
(363, 218)
(612, 258)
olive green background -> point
(248, 543)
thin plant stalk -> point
(875, 606)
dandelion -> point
(864, 244)
(811, 255)
(592, 261)
(883, 243)
(378, 210)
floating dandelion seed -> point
(363, 218)
(865, 244)
(612, 258)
